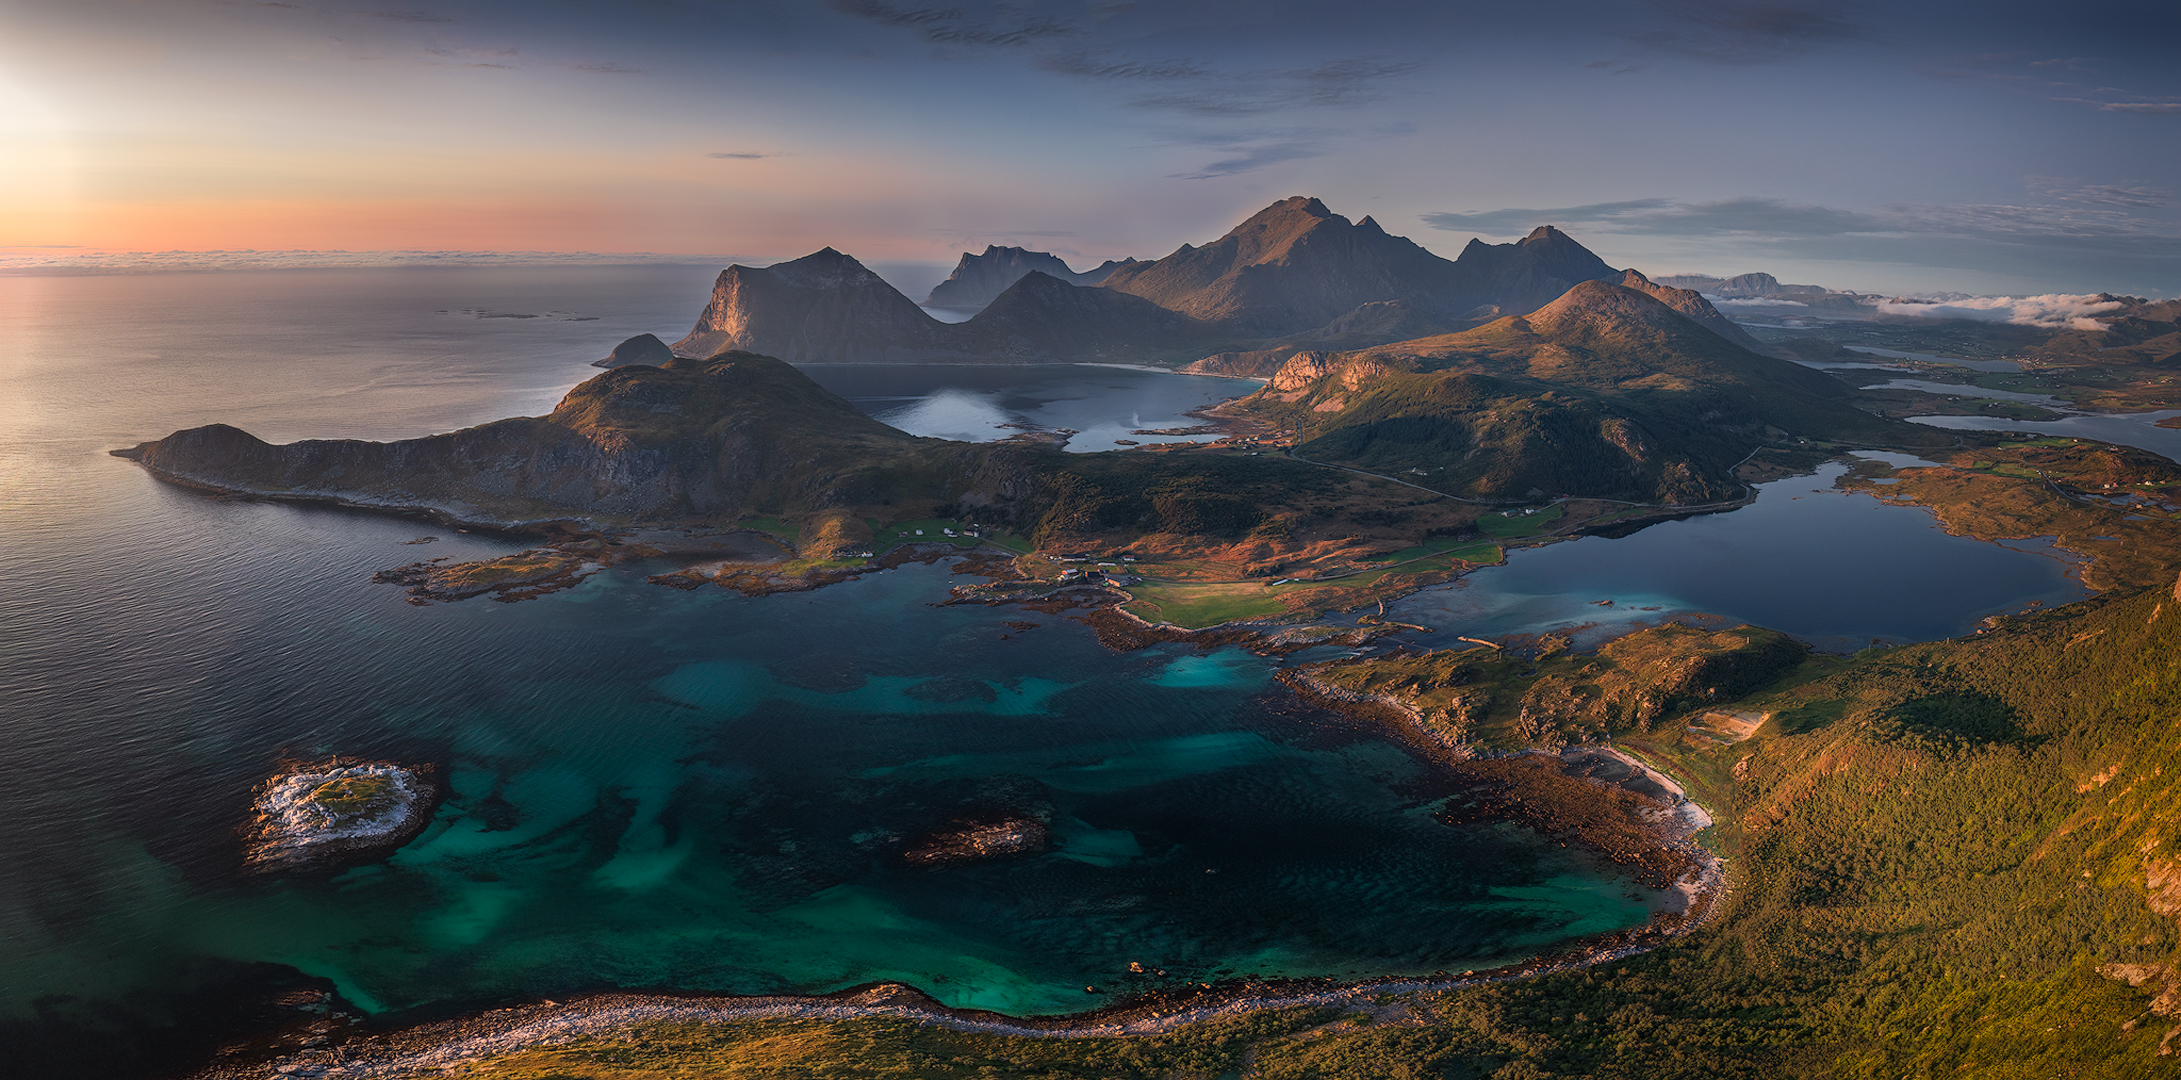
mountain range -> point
(1294, 276)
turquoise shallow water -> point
(704, 791)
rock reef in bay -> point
(980, 841)
(313, 816)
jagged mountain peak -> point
(978, 279)
(1289, 267)
(1306, 205)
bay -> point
(656, 788)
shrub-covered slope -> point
(1605, 391)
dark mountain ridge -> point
(1292, 266)
(828, 308)
(979, 279)
(1294, 276)
(693, 440)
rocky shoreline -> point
(434, 1049)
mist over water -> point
(1103, 404)
(952, 414)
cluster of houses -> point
(1104, 573)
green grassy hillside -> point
(1603, 392)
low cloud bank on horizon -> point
(2069, 235)
(2053, 309)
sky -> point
(1991, 147)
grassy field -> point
(934, 532)
(1522, 526)
(1465, 550)
(790, 534)
(1197, 604)
(1194, 605)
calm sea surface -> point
(655, 788)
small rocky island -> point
(314, 815)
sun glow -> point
(38, 187)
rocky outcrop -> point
(986, 840)
(1301, 370)
(314, 816)
(641, 349)
(977, 280)
(1348, 371)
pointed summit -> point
(1531, 272)
(1692, 304)
(1292, 266)
(824, 307)
(1598, 307)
